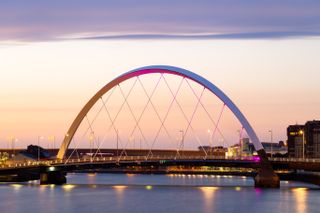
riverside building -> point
(304, 140)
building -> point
(233, 151)
(312, 139)
(214, 151)
(246, 149)
(304, 140)
(242, 149)
(295, 140)
(244, 143)
(275, 149)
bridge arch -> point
(166, 70)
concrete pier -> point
(266, 177)
(53, 177)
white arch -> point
(160, 69)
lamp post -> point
(182, 139)
(52, 139)
(210, 141)
(91, 137)
(301, 132)
(13, 145)
(12, 140)
(271, 141)
(240, 142)
(54, 142)
(117, 142)
(134, 142)
(8, 143)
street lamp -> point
(117, 131)
(240, 142)
(210, 140)
(91, 137)
(15, 140)
(12, 140)
(53, 140)
(182, 139)
(271, 141)
(301, 132)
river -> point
(157, 193)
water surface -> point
(158, 193)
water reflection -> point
(119, 188)
(68, 187)
(92, 174)
(120, 195)
(148, 187)
(208, 194)
(237, 188)
(16, 186)
(42, 188)
(300, 195)
(52, 186)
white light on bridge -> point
(52, 168)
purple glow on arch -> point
(146, 71)
(158, 70)
(256, 158)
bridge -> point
(54, 171)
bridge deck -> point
(277, 163)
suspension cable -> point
(185, 116)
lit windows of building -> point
(295, 140)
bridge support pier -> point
(53, 177)
(266, 177)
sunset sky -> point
(54, 55)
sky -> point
(54, 55)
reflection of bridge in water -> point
(54, 171)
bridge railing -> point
(116, 159)
(303, 160)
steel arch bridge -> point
(177, 72)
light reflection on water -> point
(157, 193)
(208, 195)
(300, 195)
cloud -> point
(37, 20)
(256, 35)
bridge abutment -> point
(266, 177)
(53, 177)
